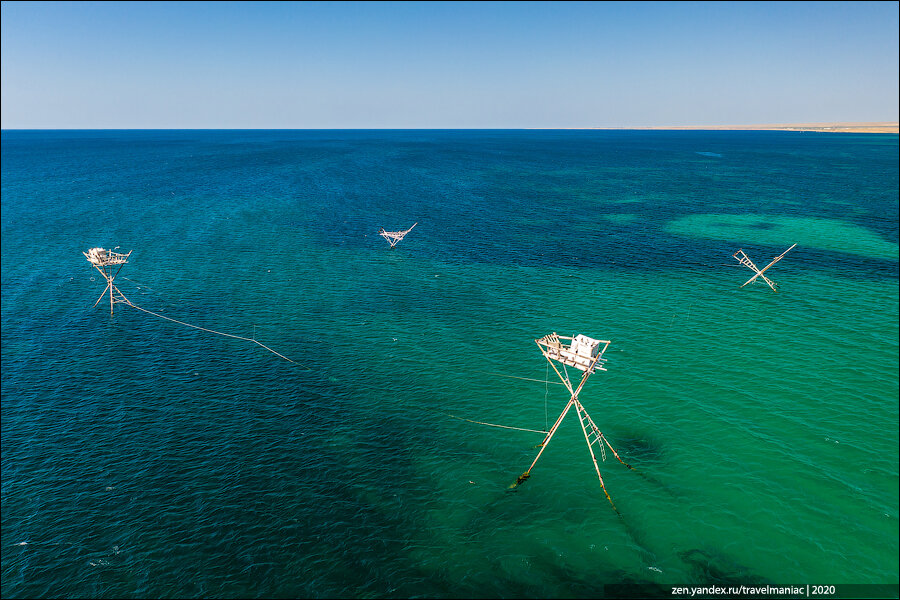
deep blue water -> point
(142, 458)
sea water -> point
(144, 458)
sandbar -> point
(879, 127)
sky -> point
(437, 65)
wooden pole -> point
(593, 456)
(524, 476)
(111, 297)
(760, 272)
(103, 293)
(573, 400)
(616, 454)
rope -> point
(139, 284)
(525, 378)
(493, 424)
(480, 422)
(237, 337)
(544, 431)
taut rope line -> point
(105, 261)
(525, 378)
(237, 337)
(489, 424)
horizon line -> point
(825, 127)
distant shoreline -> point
(820, 127)
(823, 127)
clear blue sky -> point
(446, 65)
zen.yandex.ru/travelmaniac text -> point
(807, 591)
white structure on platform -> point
(583, 353)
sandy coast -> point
(824, 127)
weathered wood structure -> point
(108, 263)
(394, 237)
(743, 259)
(586, 355)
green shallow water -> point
(144, 458)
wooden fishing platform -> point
(743, 259)
(108, 263)
(394, 237)
(586, 355)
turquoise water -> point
(142, 458)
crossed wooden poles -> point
(589, 361)
(394, 237)
(742, 258)
(107, 261)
